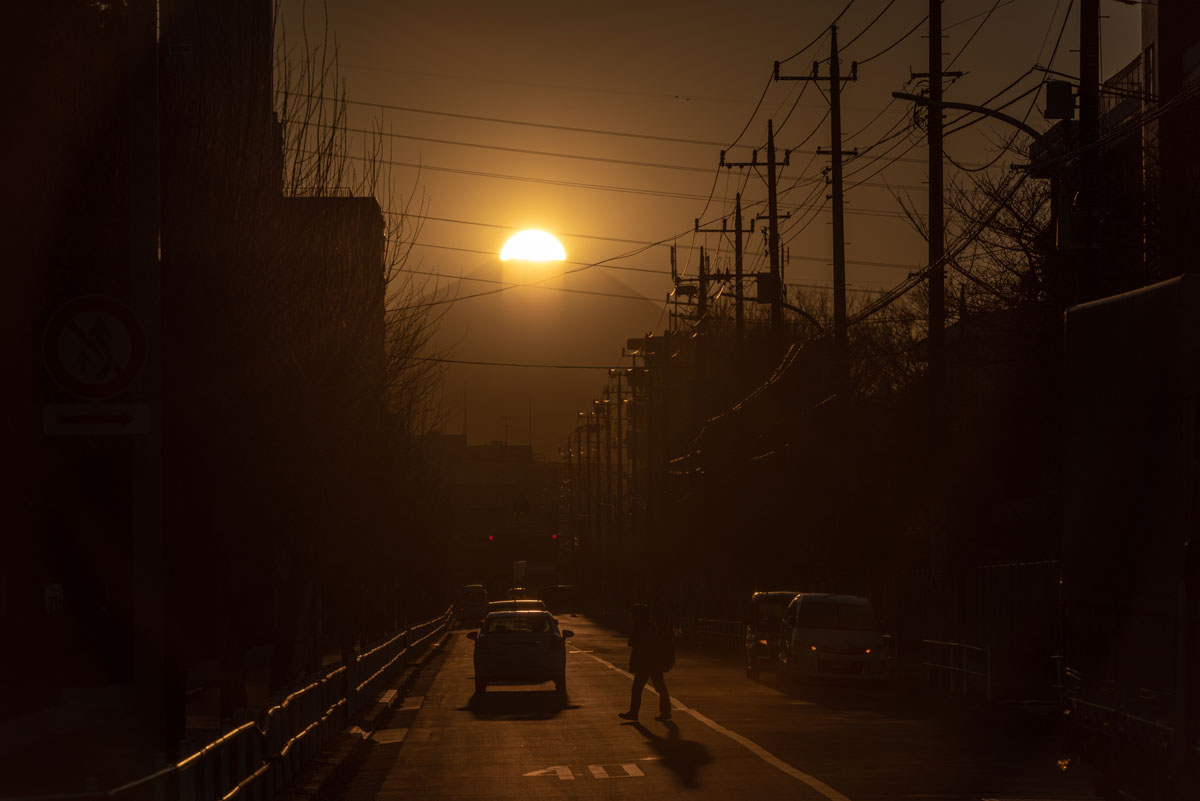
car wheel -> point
(480, 686)
(560, 683)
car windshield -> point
(523, 623)
(815, 614)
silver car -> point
(520, 646)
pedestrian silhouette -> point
(646, 664)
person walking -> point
(646, 663)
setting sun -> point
(532, 246)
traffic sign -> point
(93, 347)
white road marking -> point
(561, 771)
(753, 747)
(632, 771)
(387, 697)
(412, 702)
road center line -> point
(751, 746)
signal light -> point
(553, 536)
(491, 537)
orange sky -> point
(676, 70)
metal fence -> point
(258, 759)
(958, 667)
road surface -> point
(731, 738)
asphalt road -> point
(731, 738)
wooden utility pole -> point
(774, 293)
(739, 322)
(773, 232)
(835, 151)
(620, 499)
(702, 290)
(937, 217)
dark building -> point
(274, 381)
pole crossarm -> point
(920, 100)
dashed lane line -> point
(753, 747)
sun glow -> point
(532, 246)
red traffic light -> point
(553, 536)
(491, 537)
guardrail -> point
(257, 760)
(952, 666)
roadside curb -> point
(326, 769)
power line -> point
(526, 151)
(653, 271)
(911, 31)
(443, 360)
(514, 285)
(870, 24)
(819, 36)
(501, 120)
(986, 16)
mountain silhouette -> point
(534, 325)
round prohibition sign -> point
(93, 347)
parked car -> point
(472, 603)
(520, 593)
(831, 635)
(520, 646)
(763, 617)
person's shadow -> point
(682, 757)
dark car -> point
(762, 629)
(472, 603)
(522, 647)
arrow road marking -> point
(561, 771)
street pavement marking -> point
(561, 771)
(387, 698)
(753, 747)
(632, 771)
(412, 702)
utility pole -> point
(739, 318)
(572, 492)
(937, 216)
(835, 78)
(1088, 278)
(702, 296)
(620, 457)
(775, 292)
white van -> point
(831, 635)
